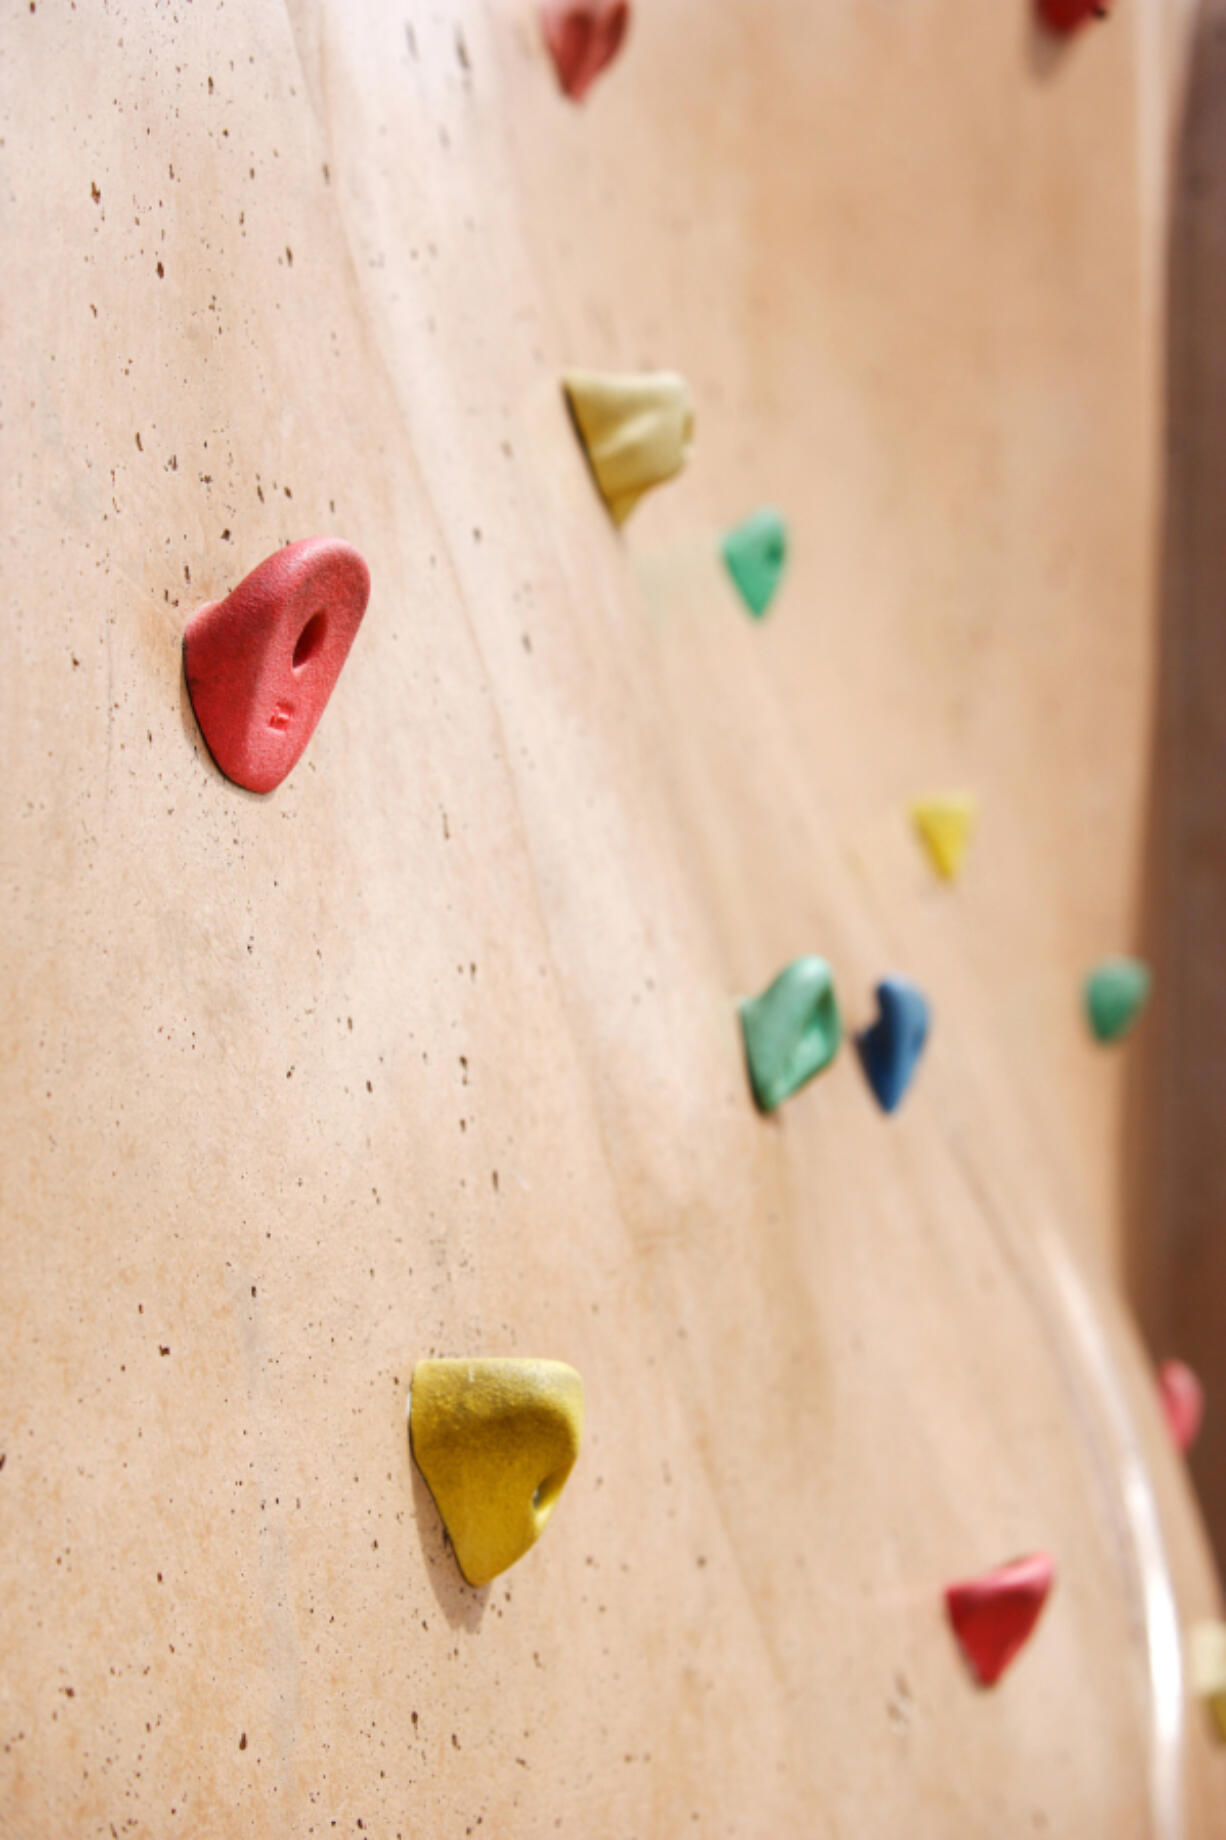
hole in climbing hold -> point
(309, 640)
(546, 1493)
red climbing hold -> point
(261, 664)
(583, 36)
(1183, 1401)
(1067, 15)
(993, 1616)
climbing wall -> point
(434, 1050)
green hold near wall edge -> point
(791, 1031)
(1115, 994)
(755, 554)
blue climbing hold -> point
(890, 1049)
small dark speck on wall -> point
(162, 1350)
(242, 1741)
(161, 271)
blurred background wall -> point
(1174, 1145)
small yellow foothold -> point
(945, 822)
(495, 1441)
(636, 429)
(1208, 1670)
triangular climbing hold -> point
(495, 1441)
(1207, 1667)
(891, 1048)
(261, 664)
(1069, 15)
(1183, 1401)
(944, 822)
(583, 36)
(993, 1616)
(755, 554)
(636, 431)
(791, 1031)
(1116, 992)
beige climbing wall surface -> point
(433, 1051)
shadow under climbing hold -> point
(1207, 1668)
(636, 431)
(1069, 15)
(791, 1031)
(1183, 1401)
(890, 1049)
(993, 1616)
(583, 36)
(944, 822)
(495, 1441)
(755, 554)
(261, 664)
(1116, 992)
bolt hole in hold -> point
(245, 657)
(310, 639)
(546, 1494)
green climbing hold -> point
(755, 554)
(791, 1031)
(1115, 994)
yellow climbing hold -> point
(1208, 1670)
(495, 1441)
(944, 822)
(636, 430)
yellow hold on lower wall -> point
(495, 1441)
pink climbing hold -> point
(1183, 1401)
(583, 36)
(262, 663)
(1068, 15)
(993, 1616)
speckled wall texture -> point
(434, 1050)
